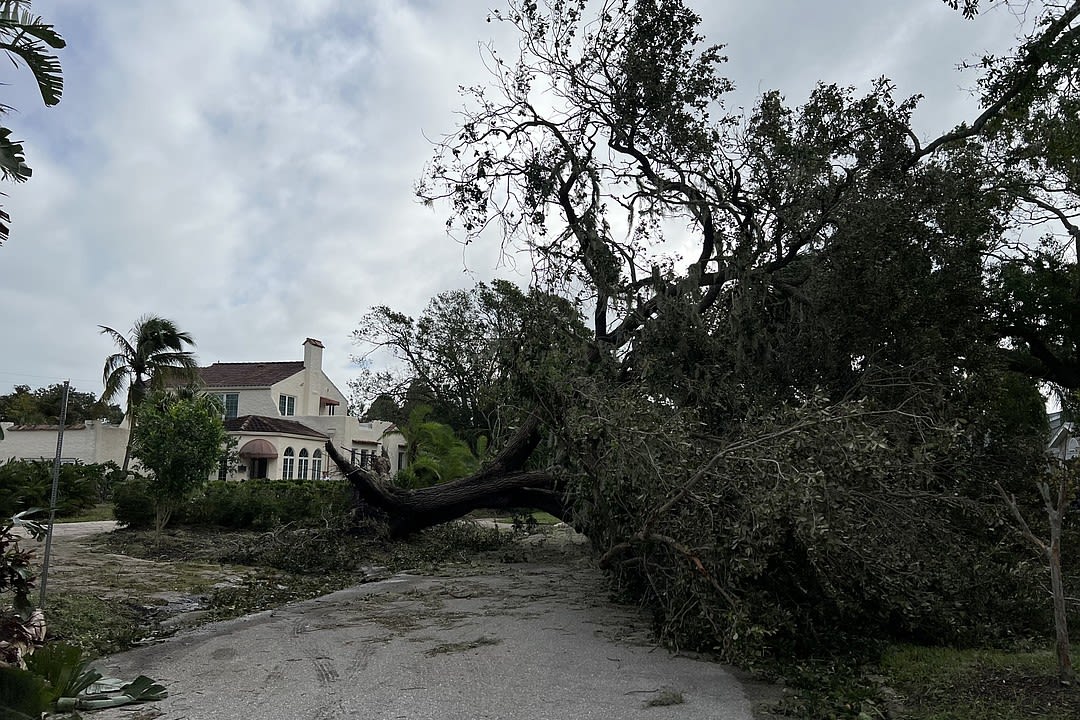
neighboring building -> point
(1064, 439)
(281, 413)
(95, 441)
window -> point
(330, 409)
(223, 470)
(316, 465)
(287, 464)
(302, 465)
(231, 403)
(286, 404)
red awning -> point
(328, 401)
(258, 448)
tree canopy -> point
(180, 439)
(24, 406)
(152, 355)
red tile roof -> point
(262, 424)
(263, 374)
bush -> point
(28, 483)
(265, 504)
(133, 504)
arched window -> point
(316, 465)
(287, 464)
(301, 464)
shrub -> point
(265, 504)
(28, 483)
(133, 504)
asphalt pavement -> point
(524, 642)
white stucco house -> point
(281, 415)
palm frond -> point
(151, 356)
(183, 359)
(15, 18)
(119, 339)
(13, 167)
(30, 39)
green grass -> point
(94, 514)
(949, 684)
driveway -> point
(518, 641)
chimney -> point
(312, 354)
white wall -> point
(96, 441)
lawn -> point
(949, 684)
(97, 513)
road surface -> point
(520, 641)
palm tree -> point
(26, 37)
(151, 354)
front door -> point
(257, 469)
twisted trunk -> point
(500, 484)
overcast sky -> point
(245, 167)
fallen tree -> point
(791, 436)
(500, 484)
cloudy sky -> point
(245, 167)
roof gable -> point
(263, 374)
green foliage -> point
(829, 689)
(64, 667)
(23, 694)
(151, 357)
(459, 355)
(133, 503)
(28, 39)
(267, 504)
(785, 439)
(433, 453)
(24, 406)
(383, 407)
(17, 576)
(180, 439)
(978, 684)
(247, 505)
(26, 484)
(783, 539)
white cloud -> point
(245, 167)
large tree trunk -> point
(500, 484)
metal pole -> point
(52, 501)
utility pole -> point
(52, 500)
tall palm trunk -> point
(136, 393)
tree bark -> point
(500, 484)
(1061, 624)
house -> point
(1064, 441)
(283, 413)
